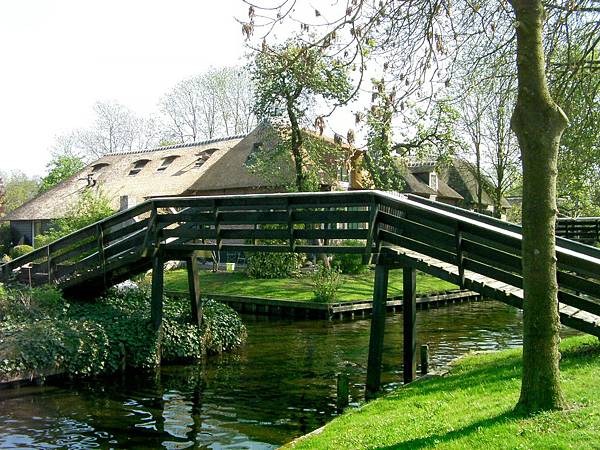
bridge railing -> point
(459, 238)
(581, 229)
(86, 249)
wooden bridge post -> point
(158, 268)
(194, 288)
(377, 330)
(409, 314)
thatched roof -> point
(203, 168)
(231, 174)
(140, 175)
(461, 174)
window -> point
(204, 156)
(98, 167)
(166, 162)
(138, 166)
(433, 181)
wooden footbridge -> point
(474, 251)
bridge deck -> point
(488, 287)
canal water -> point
(280, 385)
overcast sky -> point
(59, 57)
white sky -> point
(59, 57)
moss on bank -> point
(41, 334)
(472, 407)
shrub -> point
(89, 209)
(41, 333)
(326, 283)
(273, 265)
(20, 250)
(351, 264)
(5, 237)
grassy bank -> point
(354, 287)
(472, 408)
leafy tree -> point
(90, 208)
(18, 189)
(381, 165)
(419, 41)
(60, 168)
(288, 79)
(579, 152)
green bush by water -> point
(273, 265)
(20, 250)
(326, 283)
(41, 333)
(350, 264)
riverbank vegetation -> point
(473, 407)
(41, 333)
(352, 287)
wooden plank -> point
(332, 234)
(409, 320)
(156, 312)
(331, 216)
(194, 289)
(418, 232)
(579, 302)
(373, 383)
(442, 255)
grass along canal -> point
(278, 386)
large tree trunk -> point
(538, 123)
(296, 144)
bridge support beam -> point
(194, 288)
(377, 329)
(156, 311)
(409, 316)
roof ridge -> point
(176, 146)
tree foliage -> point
(579, 152)
(90, 208)
(18, 189)
(289, 79)
(383, 167)
(421, 43)
(60, 168)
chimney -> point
(125, 202)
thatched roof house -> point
(213, 167)
(454, 183)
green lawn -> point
(354, 287)
(471, 408)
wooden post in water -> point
(409, 313)
(194, 288)
(156, 311)
(377, 329)
(342, 391)
(424, 359)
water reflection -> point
(279, 386)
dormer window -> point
(167, 162)
(138, 166)
(98, 167)
(204, 156)
(433, 181)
